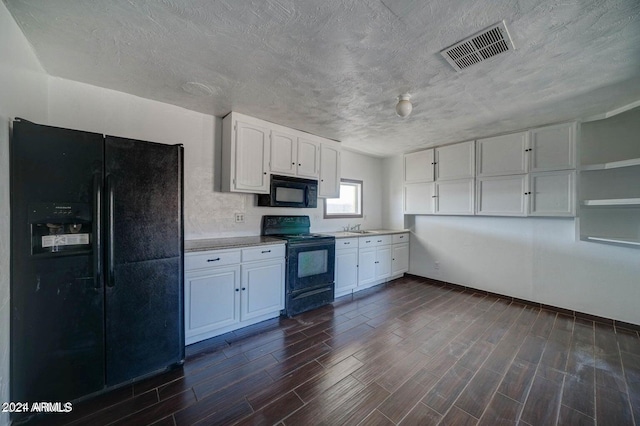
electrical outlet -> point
(436, 265)
(239, 217)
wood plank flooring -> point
(411, 352)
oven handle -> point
(311, 293)
(306, 244)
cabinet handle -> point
(434, 196)
(266, 251)
(244, 288)
(376, 261)
(379, 241)
(237, 289)
(299, 164)
(347, 243)
(293, 164)
(213, 260)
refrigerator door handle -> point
(110, 231)
(97, 229)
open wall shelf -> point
(610, 180)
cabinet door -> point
(553, 148)
(366, 266)
(399, 259)
(346, 271)
(419, 166)
(502, 195)
(308, 158)
(383, 262)
(455, 197)
(552, 193)
(419, 198)
(502, 155)
(262, 289)
(329, 186)
(252, 150)
(284, 153)
(455, 161)
(211, 300)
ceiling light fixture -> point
(404, 107)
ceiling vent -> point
(481, 46)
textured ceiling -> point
(335, 67)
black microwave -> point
(287, 191)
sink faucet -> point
(354, 227)
(345, 228)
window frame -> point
(343, 215)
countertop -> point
(347, 234)
(228, 243)
(258, 240)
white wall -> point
(537, 259)
(208, 213)
(22, 94)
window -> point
(350, 202)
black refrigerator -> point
(96, 261)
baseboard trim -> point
(577, 314)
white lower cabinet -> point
(367, 261)
(211, 302)
(229, 289)
(262, 290)
(346, 266)
(399, 259)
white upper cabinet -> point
(308, 158)
(284, 153)
(502, 155)
(502, 195)
(418, 198)
(552, 193)
(455, 161)
(245, 155)
(553, 148)
(254, 149)
(419, 166)
(294, 156)
(455, 197)
(329, 185)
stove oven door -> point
(311, 264)
(310, 274)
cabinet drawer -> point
(262, 252)
(344, 243)
(211, 259)
(373, 241)
(400, 238)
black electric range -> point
(310, 262)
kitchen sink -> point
(361, 232)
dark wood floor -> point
(408, 353)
